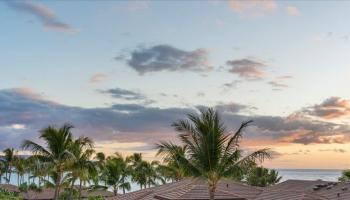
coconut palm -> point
(262, 177)
(117, 172)
(139, 169)
(20, 166)
(173, 169)
(345, 176)
(9, 160)
(100, 163)
(211, 152)
(55, 152)
(81, 165)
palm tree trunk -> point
(71, 188)
(212, 192)
(115, 190)
(58, 184)
(79, 188)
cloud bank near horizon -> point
(24, 112)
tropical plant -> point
(117, 172)
(345, 176)
(9, 160)
(81, 166)
(262, 177)
(4, 194)
(56, 152)
(211, 152)
(173, 170)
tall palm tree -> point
(81, 165)
(9, 160)
(117, 172)
(55, 152)
(262, 177)
(20, 166)
(211, 152)
(100, 163)
(139, 169)
(173, 169)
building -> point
(195, 189)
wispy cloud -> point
(246, 68)
(253, 8)
(43, 13)
(167, 58)
(292, 10)
(120, 93)
(97, 78)
(333, 150)
(331, 108)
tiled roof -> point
(336, 191)
(193, 189)
(10, 188)
(45, 194)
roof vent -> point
(344, 188)
(338, 194)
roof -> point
(293, 190)
(338, 191)
(45, 194)
(49, 193)
(193, 189)
(10, 188)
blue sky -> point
(268, 60)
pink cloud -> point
(292, 10)
(253, 7)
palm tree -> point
(262, 177)
(81, 166)
(117, 172)
(20, 166)
(173, 169)
(139, 169)
(100, 163)
(345, 176)
(9, 160)
(56, 153)
(211, 152)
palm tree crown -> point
(211, 152)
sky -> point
(122, 71)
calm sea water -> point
(310, 174)
(301, 174)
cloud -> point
(253, 8)
(22, 116)
(333, 150)
(97, 78)
(168, 58)
(277, 85)
(120, 93)
(331, 108)
(232, 84)
(43, 13)
(248, 69)
(292, 10)
(134, 6)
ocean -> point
(310, 174)
(301, 174)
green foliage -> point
(4, 194)
(23, 187)
(95, 198)
(210, 151)
(345, 176)
(262, 177)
